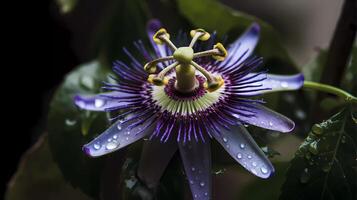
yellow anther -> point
(150, 67)
(214, 85)
(222, 52)
(161, 32)
(205, 35)
(153, 79)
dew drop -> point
(119, 127)
(239, 155)
(242, 146)
(193, 169)
(202, 184)
(254, 164)
(99, 103)
(264, 170)
(127, 138)
(249, 156)
(271, 124)
(70, 122)
(284, 84)
(191, 182)
(115, 136)
(111, 145)
(206, 194)
(225, 139)
(96, 146)
(305, 176)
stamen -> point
(151, 68)
(198, 34)
(160, 78)
(213, 83)
(161, 36)
(185, 66)
(167, 69)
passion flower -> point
(182, 97)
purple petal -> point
(103, 101)
(118, 136)
(242, 147)
(154, 159)
(264, 117)
(243, 47)
(196, 157)
(152, 27)
(275, 83)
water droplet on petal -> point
(96, 146)
(225, 139)
(264, 170)
(202, 184)
(249, 156)
(191, 182)
(206, 194)
(242, 146)
(99, 103)
(271, 124)
(284, 84)
(109, 139)
(193, 169)
(111, 145)
(239, 155)
(119, 127)
(254, 164)
(115, 136)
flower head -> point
(183, 97)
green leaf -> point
(38, 177)
(212, 15)
(66, 6)
(70, 128)
(324, 167)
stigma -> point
(183, 64)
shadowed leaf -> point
(326, 157)
(38, 177)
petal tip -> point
(87, 151)
(255, 28)
(78, 101)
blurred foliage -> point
(38, 177)
(324, 166)
(66, 6)
(211, 15)
(69, 128)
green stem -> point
(330, 89)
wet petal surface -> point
(241, 146)
(196, 157)
(117, 136)
(261, 116)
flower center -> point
(185, 67)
